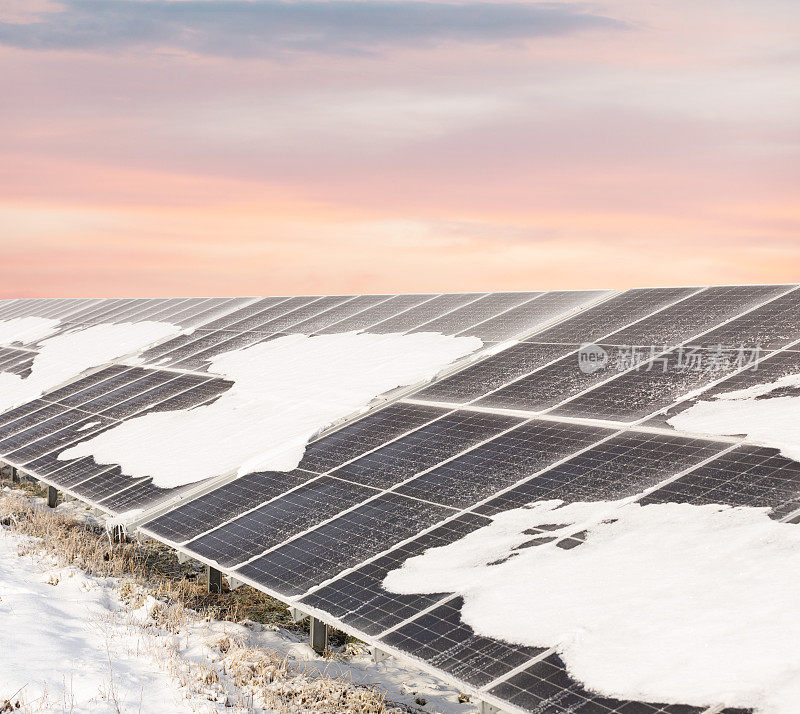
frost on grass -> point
(68, 355)
(766, 413)
(669, 603)
(285, 391)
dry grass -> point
(146, 562)
(241, 677)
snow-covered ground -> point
(78, 643)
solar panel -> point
(425, 312)
(696, 314)
(546, 687)
(358, 597)
(493, 373)
(747, 476)
(438, 464)
(612, 315)
(476, 312)
(500, 462)
(423, 448)
(622, 466)
(769, 368)
(650, 387)
(551, 384)
(444, 641)
(375, 315)
(316, 556)
(532, 314)
(225, 503)
(366, 434)
(772, 326)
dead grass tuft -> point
(141, 561)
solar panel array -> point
(523, 423)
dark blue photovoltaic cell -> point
(464, 319)
(532, 314)
(381, 312)
(227, 502)
(501, 462)
(359, 599)
(424, 448)
(304, 562)
(772, 326)
(366, 434)
(547, 386)
(265, 527)
(619, 467)
(493, 372)
(747, 476)
(546, 688)
(765, 369)
(650, 387)
(424, 312)
(441, 638)
(698, 313)
(610, 315)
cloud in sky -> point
(266, 28)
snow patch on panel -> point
(666, 603)
(752, 412)
(26, 330)
(285, 392)
(66, 356)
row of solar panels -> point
(419, 473)
(32, 435)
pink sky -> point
(321, 147)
